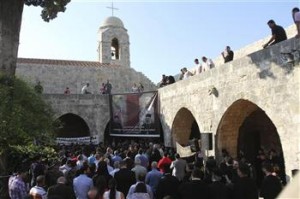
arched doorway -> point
(246, 128)
(185, 127)
(72, 126)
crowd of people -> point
(144, 170)
(206, 65)
(278, 35)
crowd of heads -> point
(142, 167)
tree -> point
(26, 121)
(10, 24)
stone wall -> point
(260, 80)
(93, 109)
(55, 78)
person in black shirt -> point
(245, 187)
(278, 34)
(271, 185)
(195, 188)
(227, 54)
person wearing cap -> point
(278, 34)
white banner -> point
(184, 151)
(78, 140)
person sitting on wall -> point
(67, 91)
(102, 89)
(141, 88)
(163, 81)
(296, 18)
(108, 87)
(227, 54)
(170, 80)
(278, 34)
(85, 89)
(38, 88)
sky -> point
(165, 36)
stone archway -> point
(72, 126)
(184, 127)
(246, 127)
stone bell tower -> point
(113, 42)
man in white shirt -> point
(198, 67)
(85, 89)
(207, 64)
(38, 190)
(179, 167)
(186, 74)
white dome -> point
(113, 21)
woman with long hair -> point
(112, 193)
(140, 192)
(102, 171)
(99, 188)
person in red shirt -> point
(164, 161)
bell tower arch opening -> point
(72, 126)
(244, 130)
(115, 49)
(185, 127)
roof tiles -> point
(63, 62)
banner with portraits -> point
(134, 115)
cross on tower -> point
(112, 8)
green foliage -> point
(50, 7)
(24, 117)
(25, 154)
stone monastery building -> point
(248, 103)
(113, 65)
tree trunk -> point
(10, 24)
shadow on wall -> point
(165, 128)
(285, 54)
